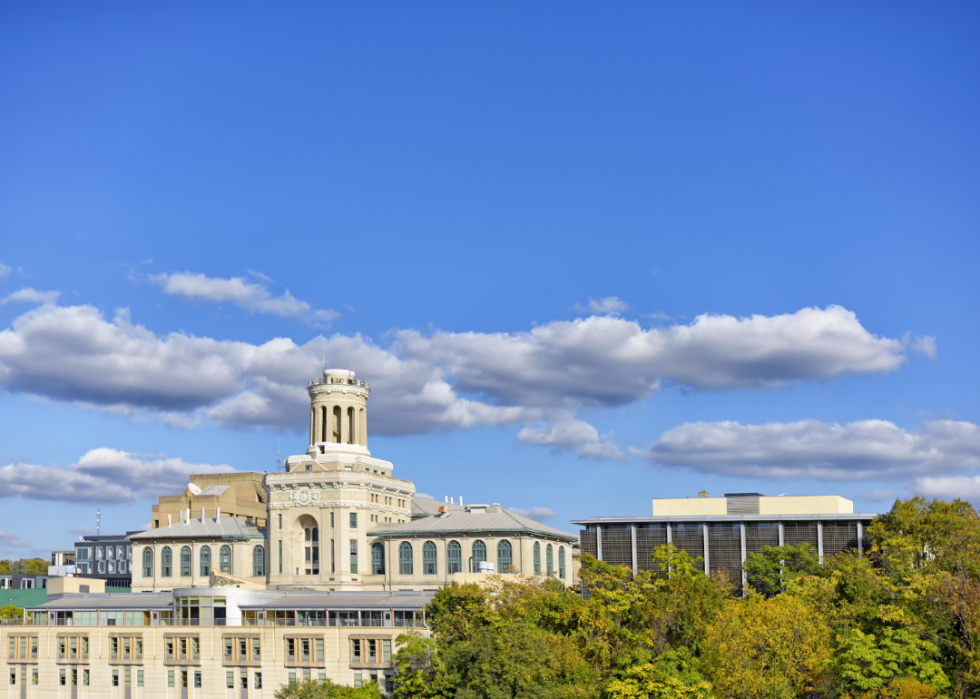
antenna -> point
(98, 523)
(277, 452)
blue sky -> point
(585, 255)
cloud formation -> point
(573, 435)
(813, 449)
(4, 271)
(29, 295)
(8, 539)
(610, 304)
(436, 381)
(102, 476)
(538, 514)
(253, 297)
(948, 488)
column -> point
(707, 558)
(860, 539)
(669, 537)
(598, 542)
(820, 541)
(741, 531)
(633, 545)
(782, 533)
(313, 412)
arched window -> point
(336, 425)
(537, 558)
(377, 558)
(561, 562)
(205, 561)
(429, 558)
(479, 555)
(505, 557)
(323, 424)
(258, 561)
(147, 562)
(350, 425)
(185, 561)
(549, 560)
(454, 558)
(225, 560)
(405, 563)
(166, 562)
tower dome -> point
(338, 413)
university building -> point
(246, 581)
(723, 531)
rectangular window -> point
(306, 650)
(183, 679)
(357, 679)
(127, 678)
(62, 678)
(34, 676)
(139, 678)
(197, 679)
(333, 566)
(170, 678)
(170, 650)
(34, 646)
(280, 557)
(353, 520)
(387, 651)
(331, 520)
(228, 645)
(292, 676)
(258, 680)
(290, 649)
(353, 556)
(13, 676)
(85, 677)
(230, 680)
(256, 650)
(196, 648)
(355, 651)
(280, 521)
(319, 650)
(115, 678)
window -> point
(429, 558)
(112, 566)
(170, 678)
(549, 559)
(331, 520)
(537, 558)
(13, 676)
(505, 557)
(225, 559)
(61, 676)
(377, 558)
(34, 676)
(333, 565)
(353, 556)
(405, 563)
(115, 678)
(479, 555)
(85, 677)
(242, 649)
(101, 566)
(561, 562)
(166, 562)
(230, 680)
(357, 679)
(258, 561)
(25, 647)
(309, 467)
(147, 562)
(185, 561)
(280, 557)
(204, 559)
(454, 558)
(257, 684)
(353, 520)
(197, 679)
(280, 521)
(139, 678)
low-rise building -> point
(196, 643)
(426, 552)
(108, 557)
(238, 494)
(723, 531)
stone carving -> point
(304, 496)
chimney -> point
(217, 514)
(169, 522)
(703, 494)
(452, 501)
(202, 514)
(460, 500)
(187, 517)
(447, 498)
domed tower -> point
(338, 413)
(327, 502)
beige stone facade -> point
(215, 494)
(752, 503)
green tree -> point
(325, 689)
(759, 647)
(30, 566)
(774, 566)
(420, 672)
(11, 612)
(869, 662)
(669, 676)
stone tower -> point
(322, 508)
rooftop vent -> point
(703, 494)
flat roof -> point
(647, 519)
(406, 599)
(109, 601)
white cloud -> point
(4, 271)
(610, 304)
(659, 315)
(8, 539)
(813, 449)
(538, 514)
(948, 488)
(102, 476)
(29, 295)
(925, 346)
(240, 292)
(570, 434)
(428, 382)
